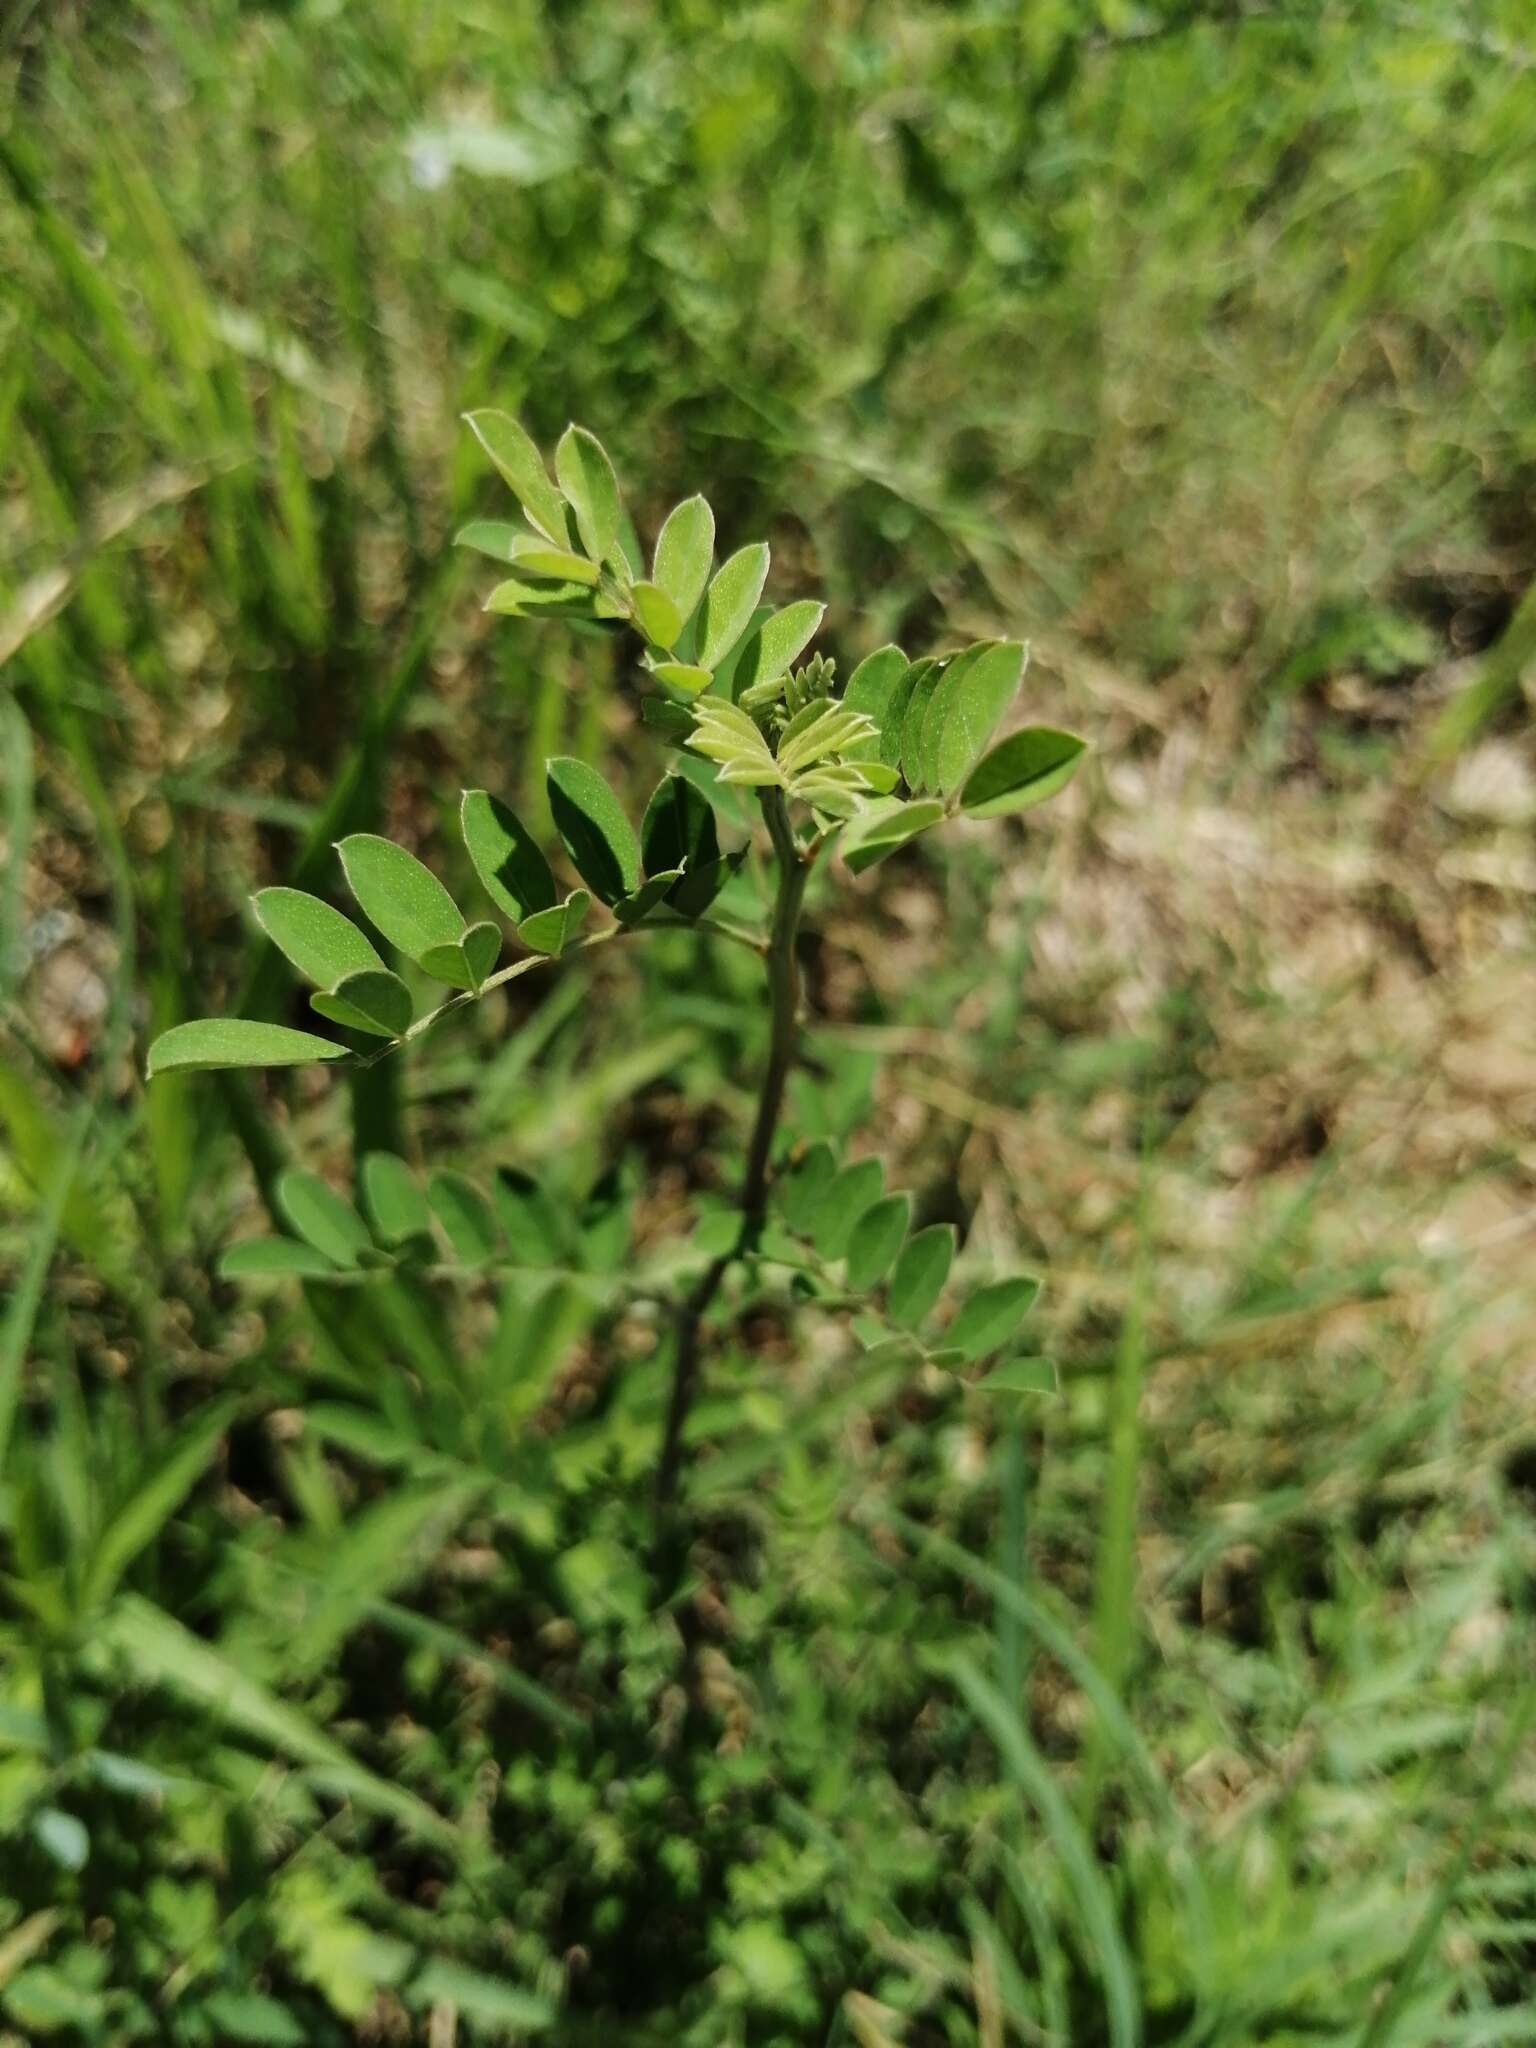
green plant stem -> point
(794, 869)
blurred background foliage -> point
(1193, 342)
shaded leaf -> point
(255, 1258)
(322, 1217)
(920, 1273)
(318, 940)
(875, 689)
(405, 900)
(466, 1217)
(510, 864)
(990, 1317)
(236, 1042)
(375, 1001)
(394, 1198)
(529, 1217)
(1022, 770)
(678, 829)
(804, 1187)
(685, 549)
(845, 1200)
(519, 596)
(729, 602)
(632, 909)
(522, 467)
(136, 1524)
(593, 828)
(551, 931)
(699, 887)
(876, 1239)
(1021, 1376)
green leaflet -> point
(632, 909)
(322, 1217)
(591, 490)
(875, 688)
(319, 941)
(526, 595)
(510, 864)
(375, 1001)
(235, 1042)
(729, 602)
(843, 1203)
(255, 1258)
(551, 931)
(685, 549)
(497, 538)
(926, 677)
(403, 899)
(804, 1188)
(1022, 770)
(531, 557)
(778, 641)
(987, 1321)
(522, 467)
(466, 1217)
(393, 1198)
(884, 827)
(656, 614)
(973, 693)
(1021, 1376)
(529, 1217)
(875, 1240)
(465, 964)
(920, 1273)
(593, 829)
(678, 829)
(683, 675)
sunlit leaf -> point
(318, 940)
(405, 900)
(685, 550)
(730, 601)
(236, 1042)
(522, 466)
(974, 692)
(777, 643)
(882, 829)
(551, 931)
(659, 618)
(591, 490)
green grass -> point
(1187, 1707)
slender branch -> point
(794, 871)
